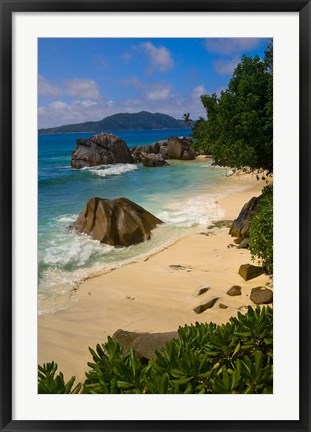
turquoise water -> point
(183, 195)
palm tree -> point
(186, 119)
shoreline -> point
(148, 296)
(99, 270)
(113, 130)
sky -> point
(85, 79)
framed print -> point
(155, 215)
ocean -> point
(183, 195)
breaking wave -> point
(109, 170)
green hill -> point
(122, 121)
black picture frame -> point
(7, 9)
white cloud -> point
(46, 89)
(78, 88)
(59, 113)
(225, 67)
(59, 105)
(158, 92)
(230, 46)
(85, 103)
(155, 97)
(160, 57)
(82, 88)
(154, 91)
(198, 91)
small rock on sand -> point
(243, 244)
(200, 291)
(235, 290)
(261, 295)
(249, 271)
(206, 304)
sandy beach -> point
(150, 296)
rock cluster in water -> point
(172, 148)
(106, 149)
(118, 222)
(152, 160)
(101, 149)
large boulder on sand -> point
(118, 222)
(145, 344)
(240, 226)
(249, 271)
(101, 149)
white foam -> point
(67, 218)
(108, 170)
(72, 249)
(68, 257)
(198, 210)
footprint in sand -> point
(180, 267)
(177, 267)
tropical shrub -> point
(261, 231)
(236, 357)
(113, 372)
(232, 358)
(50, 383)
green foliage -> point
(261, 231)
(187, 120)
(113, 372)
(239, 126)
(51, 384)
(233, 358)
(199, 136)
(236, 357)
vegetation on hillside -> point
(236, 357)
(122, 121)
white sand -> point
(149, 296)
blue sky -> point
(89, 79)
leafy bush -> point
(261, 231)
(236, 357)
(113, 372)
(232, 358)
(51, 384)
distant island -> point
(121, 121)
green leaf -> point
(236, 350)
